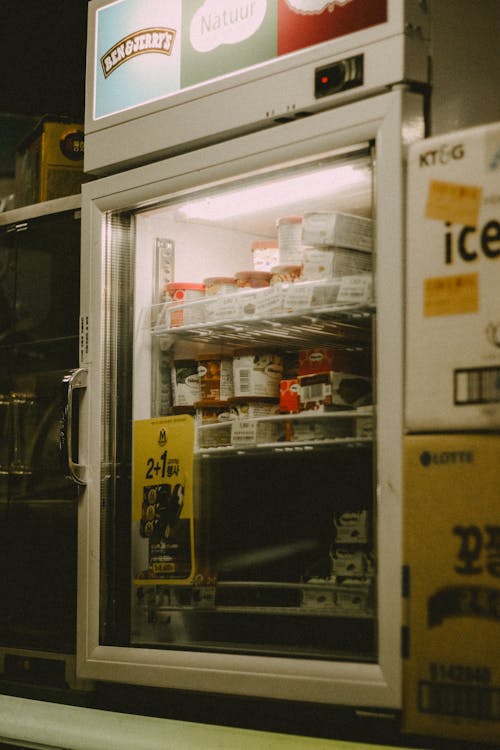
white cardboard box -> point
(453, 282)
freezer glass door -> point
(252, 506)
(255, 533)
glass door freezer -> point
(240, 413)
(39, 313)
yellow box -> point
(49, 162)
(451, 669)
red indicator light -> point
(324, 79)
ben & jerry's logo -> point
(156, 39)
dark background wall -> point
(42, 66)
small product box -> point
(315, 391)
(348, 561)
(324, 391)
(289, 396)
(453, 282)
(339, 229)
(332, 262)
(350, 391)
(49, 162)
(351, 527)
(339, 359)
(317, 359)
(451, 612)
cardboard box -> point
(49, 162)
(451, 675)
(453, 282)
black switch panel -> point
(339, 76)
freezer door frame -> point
(391, 120)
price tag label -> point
(451, 295)
(223, 307)
(355, 289)
(453, 202)
(269, 301)
(243, 432)
(298, 297)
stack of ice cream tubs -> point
(317, 260)
(241, 396)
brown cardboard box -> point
(452, 610)
(49, 162)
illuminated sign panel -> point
(148, 49)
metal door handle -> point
(72, 469)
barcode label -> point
(468, 701)
(244, 381)
(477, 386)
(315, 392)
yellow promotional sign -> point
(163, 500)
